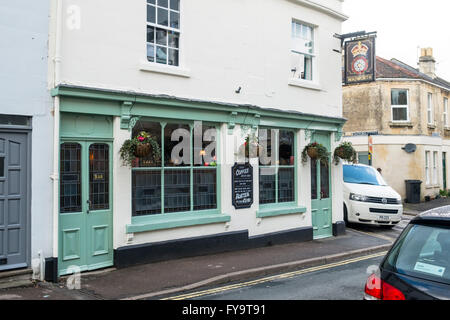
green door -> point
(321, 202)
(85, 203)
(444, 169)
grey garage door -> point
(13, 200)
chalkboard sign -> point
(242, 184)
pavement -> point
(156, 280)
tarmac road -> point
(340, 281)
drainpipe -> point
(56, 123)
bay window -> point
(185, 179)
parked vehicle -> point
(418, 265)
(368, 199)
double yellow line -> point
(272, 278)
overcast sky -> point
(402, 26)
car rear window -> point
(422, 251)
(362, 175)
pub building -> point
(225, 170)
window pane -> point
(286, 148)
(174, 39)
(14, 120)
(204, 146)
(151, 1)
(70, 183)
(161, 37)
(2, 166)
(286, 185)
(205, 189)
(324, 181)
(307, 73)
(146, 192)
(175, 5)
(174, 19)
(267, 185)
(150, 34)
(154, 129)
(161, 55)
(177, 195)
(151, 53)
(177, 145)
(151, 14)
(98, 177)
(163, 3)
(314, 195)
(399, 114)
(265, 138)
(163, 17)
(173, 57)
(399, 97)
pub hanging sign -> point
(360, 60)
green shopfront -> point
(113, 213)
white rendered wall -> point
(224, 45)
(24, 28)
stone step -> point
(16, 278)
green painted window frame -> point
(168, 220)
(282, 208)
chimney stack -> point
(427, 63)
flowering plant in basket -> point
(140, 146)
(315, 151)
(345, 151)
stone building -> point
(403, 106)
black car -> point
(417, 267)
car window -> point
(363, 175)
(422, 252)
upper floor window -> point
(445, 112)
(430, 118)
(163, 31)
(399, 105)
(302, 51)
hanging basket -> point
(313, 153)
(143, 150)
(345, 152)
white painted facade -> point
(224, 45)
(24, 28)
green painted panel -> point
(98, 101)
(322, 206)
(86, 126)
(86, 237)
(276, 210)
(169, 221)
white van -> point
(368, 199)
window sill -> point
(175, 220)
(398, 124)
(276, 210)
(432, 186)
(431, 126)
(164, 69)
(447, 128)
(305, 84)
